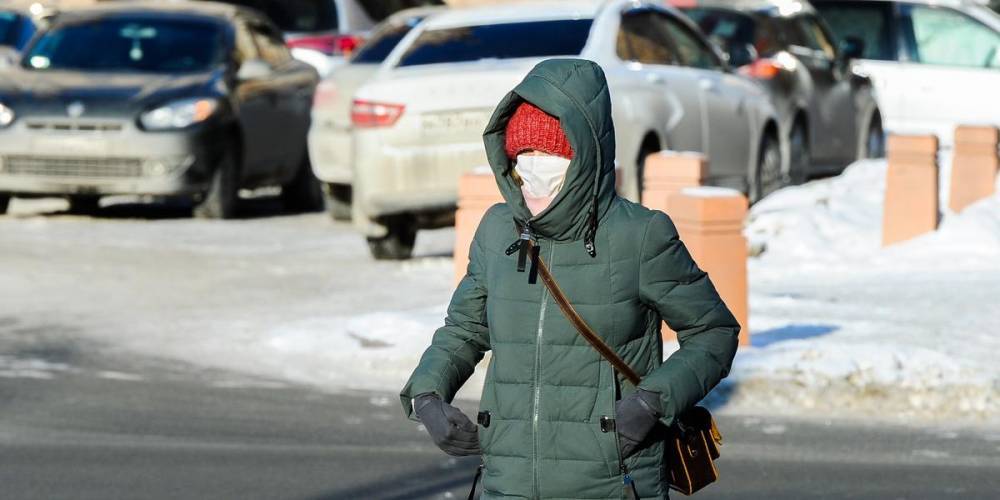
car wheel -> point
(767, 177)
(398, 243)
(304, 192)
(338, 201)
(4, 203)
(801, 158)
(84, 204)
(221, 201)
(875, 140)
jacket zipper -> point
(627, 484)
(534, 416)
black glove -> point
(450, 429)
(635, 416)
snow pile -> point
(841, 325)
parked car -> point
(935, 64)
(330, 137)
(827, 109)
(324, 32)
(419, 123)
(182, 98)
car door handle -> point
(708, 85)
(655, 78)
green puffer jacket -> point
(546, 387)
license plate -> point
(69, 146)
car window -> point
(641, 38)
(129, 43)
(10, 28)
(947, 37)
(692, 50)
(498, 41)
(729, 29)
(805, 31)
(871, 22)
(301, 16)
(270, 44)
(377, 47)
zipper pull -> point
(628, 485)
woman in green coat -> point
(551, 145)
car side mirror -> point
(741, 55)
(253, 69)
(851, 47)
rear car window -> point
(130, 44)
(499, 41)
(381, 43)
(296, 16)
(868, 21)
(729, 29)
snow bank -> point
(841, 325)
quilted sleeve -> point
(458, 345)
(685, 298)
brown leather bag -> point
(691, 444)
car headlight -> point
(6, 115)
(179, 114)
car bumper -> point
(391, 179)
(330, 152)
(121, 161)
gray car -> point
(180, 99)
(828, 110)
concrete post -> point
(974, 166)
(477, 191)
(709, 221)
(911, 188)
(667, 172)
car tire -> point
(303, 193)
(398, 243)
(874, 145)
(800, 157)
(338, 201)
(767, 175)
(221, 201)
(84, 204)
(4, 203)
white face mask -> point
(543, 175)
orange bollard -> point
(911, 188)
(667, 172)
(709, 221)
(477, 191)
(974, 165)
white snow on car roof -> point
(517, 12)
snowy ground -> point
(840, 326)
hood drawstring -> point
(588, 236)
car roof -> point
(781, 7)
(515, 12)
(219, 11)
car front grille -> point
(75, 126)
(55, 166)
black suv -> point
(827, 109)
(170, 99)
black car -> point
(827, 108)
(173, 99)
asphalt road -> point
(100, 424)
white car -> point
(418, 126)
(935, 63)
(330, 137)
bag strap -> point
(581, 326)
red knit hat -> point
(532, 128)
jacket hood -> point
(576, 92)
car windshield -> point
(499, 41)
(296, 16)
(9, 28)
(378, 47)
(141, 44)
